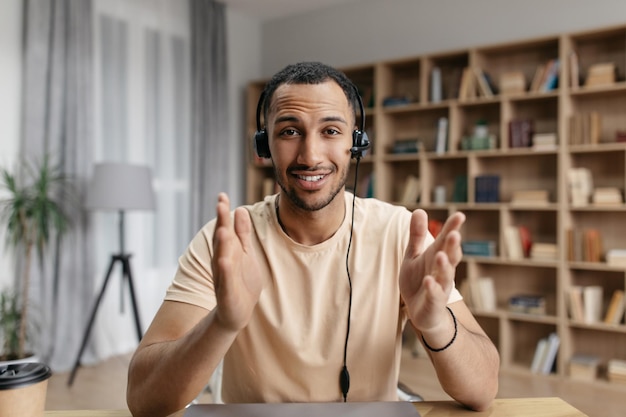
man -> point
(305, 294)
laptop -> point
(349, 409)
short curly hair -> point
(309, 73)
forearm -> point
(166, 376)
(468, 368)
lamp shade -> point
(117, 186)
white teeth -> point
(311, 178)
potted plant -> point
(32, 215)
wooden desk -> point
(512, 407)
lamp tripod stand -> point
(127, 276)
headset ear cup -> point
(360, 144)
(261, 144)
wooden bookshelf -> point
(468, 156)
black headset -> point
(360, 141)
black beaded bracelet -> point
(450, 342)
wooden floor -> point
(104, 387)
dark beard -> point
(298, 202)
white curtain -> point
(142, 98)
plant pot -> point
(23, 388)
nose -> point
(310, 150)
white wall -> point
(363, 31)
(10, 103)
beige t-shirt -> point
(292, 349)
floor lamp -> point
(119, 187)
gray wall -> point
(363, 31)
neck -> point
(310, 227)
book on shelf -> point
(487, 188)
(616, 257)
(607, 196)
(535, 84)
(545, 354)
(585, 128)
(544, 141)
(513, 242)
(521, 133)
(436, 93)
(512, 82)
(584, 367)
(459, 192)
(541, 251)
(592, 245)
(530, 197)
(592, 303)
(616, 371)
(575, 303)
(574, 70)
(527, 304)
(584, 245)
(585, 303)
(411, 190)
(483, 294)
(441, 141)
(615, 310)
(485, 86)
(411, 145)
(479, 248)
(550, 80)
(601, 73)
(580, 186)
(467, 88)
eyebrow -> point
(324, 119)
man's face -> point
(310, 131)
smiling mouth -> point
(310, 178)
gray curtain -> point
(57, 120)
(210, 133)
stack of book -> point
(607, 196)
(584, 367)
(406, 146)
(512, 82)
(530, 197)
(602, 73)
(616, 257)
(527, 304)
(543, 251)
(479, 248)
(544, 141)
(616, 371)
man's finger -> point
(417, 233)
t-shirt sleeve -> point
(193, 282)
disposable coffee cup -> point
(23, 388)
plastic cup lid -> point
(22, 374)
